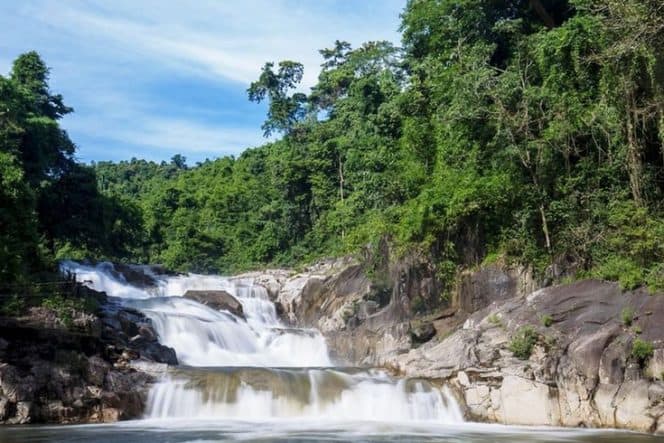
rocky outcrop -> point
(580, 370)
(219, 300)
(493, 283)
(79, 371)
(368, 316)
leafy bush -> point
(523, 342)
(494, 319)
(627, 316)
(632, 251)
(13, 306)
(642, 350)
(546, 320)
(65, 307)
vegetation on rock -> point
(523, 341)
(642, 350)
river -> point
(254, 379)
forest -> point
(529, 132)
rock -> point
(655, 367)
(53, 375)
(579, 373)
(631, 403)
(4, 408)
(479, 289)
(218, 300)
(367, 308)
(23, 413)
(478, 400)
(159, 353)
(422, 332)
(97, 370)
(129, 320)
(525, 402)
(139, 276)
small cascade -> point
(202, 336)
(314, 394)
(255, 368)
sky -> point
(154, 78)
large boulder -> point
(219, 300)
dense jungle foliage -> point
(526, 131)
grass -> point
(627, 316)
(494, 319)
(546, 320)
(523, 341)
(13, 306)
(642, 350)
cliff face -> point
(578, 367)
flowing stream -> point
(255, 368)
(254, 379)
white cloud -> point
(110, 60)
(221, 39)
(127, 122)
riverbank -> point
(60, 365)
(585, 354)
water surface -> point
(173, 431)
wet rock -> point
(580, 372)
(97, 369)
(218, 300)
(139, 276)
(4, 408)
(23, 414)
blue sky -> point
(152, 78)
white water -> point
(220, 341)
(205, 337)
(324, 394)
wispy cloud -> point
(107, 58)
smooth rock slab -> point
(525, 402)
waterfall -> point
(315, 394)
(255, 368)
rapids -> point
(257, 369)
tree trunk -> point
(545, 228)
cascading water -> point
(254, 368)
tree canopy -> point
(529, 131)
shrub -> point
(642, 350)
(523, 342)
(494, 319)
(13, 306)
(627, 316)
(546, 320)
(65, 307)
